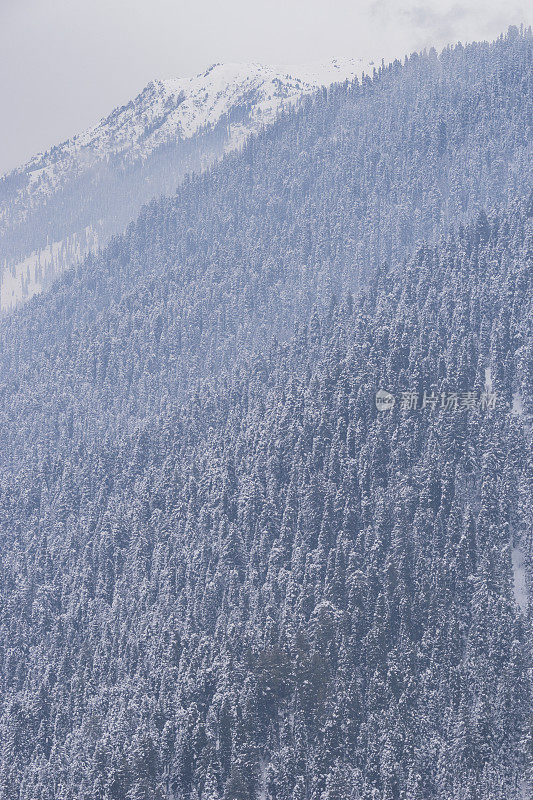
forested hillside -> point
(224, 572)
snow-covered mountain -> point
(72, 198)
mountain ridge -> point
(224, 77)
(237, 98)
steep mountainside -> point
(70, 199)
(274, 588)
(225, 574)
(317, 203)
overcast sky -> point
(66, 63)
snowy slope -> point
(173, 111)
(180, 107)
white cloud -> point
(437, 23)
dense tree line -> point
(224, 573)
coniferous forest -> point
(225, 573)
